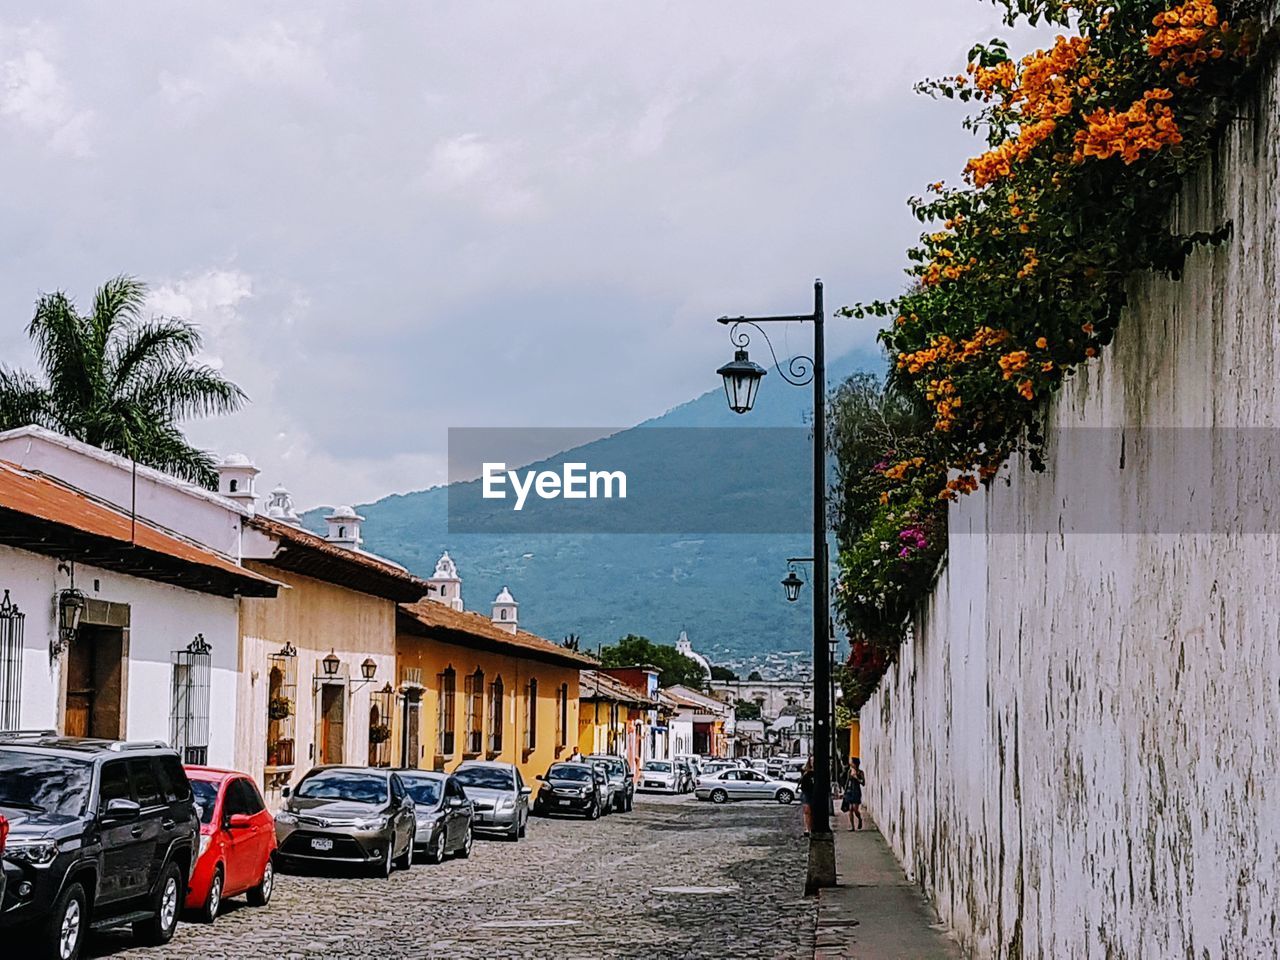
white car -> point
(660, 776)
(718, 766)
(743, 785)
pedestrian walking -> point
(806, 796)
(576, 756)
(852, 801)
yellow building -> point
(315, 662)
(472, 687)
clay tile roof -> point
(44, 516)
(596, 685)
(434, 620)
(302, 551)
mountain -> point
(703, 573)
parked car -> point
(571, 788)
(775, 767)
(444, 814)
(621, 778)
(101, 832)
(608, 789)
(794, 769)
(499, 794)
(659, 775)
(237, 842)
(347, 815)
(743, 785)
(718, 766)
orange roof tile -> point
(433, 619)
(597, 685)
(40, 514)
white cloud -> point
(274, 53)
(34, 93)
(488, 175)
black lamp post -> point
(741, 382)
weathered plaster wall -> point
(1078, 754)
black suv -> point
(101, 834)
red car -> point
(237, 842)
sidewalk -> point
(896, 922)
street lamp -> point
(792, 583)
(367, 670)
(331, 664)
(741, 381)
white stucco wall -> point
(1078, 754)
(163, 619)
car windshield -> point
(424, 790)
(343, 785)
(615, 766)
(206, 796)
(569, 773)
(44, 784)
(657, 766)
(486, 778)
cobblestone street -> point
(570, 889)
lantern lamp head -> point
(71, 604)
(741, 381)
(792, 584)
(368, 668)
(331, 664)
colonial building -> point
(614, 717)
(478, 687)
(773, 697)
(318, 664)
(710, 721)
(119, 587)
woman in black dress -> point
(853, 794)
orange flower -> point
(1090, 352)
(1024, 388)
(1146, 127)
(1042, 343)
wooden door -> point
(95, 683)
(332, 722)
(79, 655)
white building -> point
(119, 615)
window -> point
(342, 533)
(562, 715)
(282, 690)
(173, 780)
(243, 798)
(235, 485)
(473, 689)
(381, 703)
(114, 785)
(445, 684)
(496, 694)
(11, 624)
(189, 702)
(502, 614)
(531, 714)
(146, 786)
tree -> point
(722, 673)
(673, 667)
(754, 677)
(117, 381)
(746, 710)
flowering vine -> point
(1021, 274)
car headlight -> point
(505, 803)
(205, 840)
(39, 853)
(425, 817)
(372, 823)
(286, 817)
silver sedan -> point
(743, 785)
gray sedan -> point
(743, 785)
(444, 815)
(499, 795)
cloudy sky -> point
(393, 218)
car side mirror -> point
(121, 811)
(238, 821)
(525, 791)
(539, 776)
(285, 793)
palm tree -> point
(117, 381)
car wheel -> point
(209, 912)
(467, 844)
(719, 796)
(66, 925)
(260, 895)
(514, 833)
(593, 812)
(524, 827)
(387, 866)
(785, 796)
(405, 860)
(435, 854)
(631, 802)
(165, 904)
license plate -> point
(321, 843)
(564, 803)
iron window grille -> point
(474, 689)
(189, 702)
(381, 705)
(447, 683)
(496, 693)
(282, 694)
(531, 714)
(12, 621)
